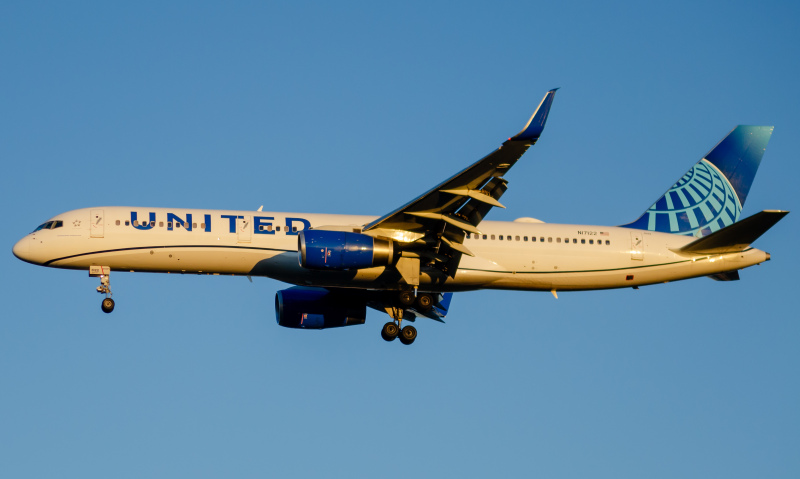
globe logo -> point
(701, 202)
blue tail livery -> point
(710, 196)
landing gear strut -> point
(104, 272)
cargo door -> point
(97, 223)
(637, 245)
(243, 228)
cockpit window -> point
(44, 226)
(50, 225)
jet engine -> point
(338, 250)
(319, 308)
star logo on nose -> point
(76, 223)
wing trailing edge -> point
(445, 214)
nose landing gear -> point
(104, 272)
(107, 305)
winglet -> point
(535, 125)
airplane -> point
(409, 262)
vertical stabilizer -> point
(710, 196)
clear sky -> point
(357, 107)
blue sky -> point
(357, 107)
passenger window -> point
(467, 235)
(169, 224)
(566, 240)
(608, 242)
(484, 236)
(152, 223)
(501, 237)
(136, 223)
(202, 226)
(591, 241)
(294, 228)
(516, 238)
(117, 222)
(127, 223)
(277, 228)
(160, 224)
(194, 225)
(541, 240)
(524, 238)
(549, 239)
(269, 227)
(260, 227)
(492, 236)
(583, 241)
(574, 240)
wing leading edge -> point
(439, 219)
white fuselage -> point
(530, 256)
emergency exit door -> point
(96, 223)
(637, 245)
(244, 226)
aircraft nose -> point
(22, 249)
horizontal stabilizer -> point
(736, 237)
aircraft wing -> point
(439, 219)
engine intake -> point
(338, 250)
(318, 308)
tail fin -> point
(710, 196)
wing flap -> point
(439, 219)
(482, 176)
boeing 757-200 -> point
(410, 261)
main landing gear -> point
(391, 330)
(104, 272)
(422, 302)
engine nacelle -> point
(318, 308)
(339, 250)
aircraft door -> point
(97, 223)
(637, 245)
(243, 227)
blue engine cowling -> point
(339, 250)
(319, 308)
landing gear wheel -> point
(408, 335)
(390, 331)
(108, 305)
(406, 298)
(424, 302)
